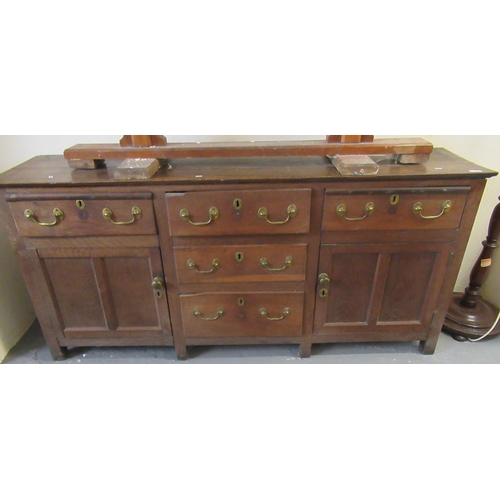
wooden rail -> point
(94, 154)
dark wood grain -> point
(102, 293)
(248, 270)
(80, 222)
(482, 267)
(393, 217)
(240, 221)
(391, 275)
(51, 171)
(242, 320)
(469, 315)
(380, 288)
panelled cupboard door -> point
(107, 293)
(380, 290)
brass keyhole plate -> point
(80, 204)
(239, 256)
(237, 204)
(241, 301)
(394, 199)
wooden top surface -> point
(54, 170)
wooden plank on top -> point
(248, 149)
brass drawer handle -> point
(342, 212)
(57, 212)
(265, 263)
(286, 312)
(213, 213)
(418, 208)
(136, 214)
(215, 265)
(198, 314)
(291, 211)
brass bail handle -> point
(342, 212)
(286, 312)
(199, 314)
(263, 214)
(265, 263)
(107, 213)
(213, 213)
(192, 265)
(418, 209)
(57, 213)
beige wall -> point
(485, 151)
(16, 312)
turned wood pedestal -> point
(469, 315)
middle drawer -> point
(224, 213)
(241, 263)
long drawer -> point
(219, 315)
(84, 217)
(241, 263)
(427, 208)
(216, 213)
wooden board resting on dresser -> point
(250, 149)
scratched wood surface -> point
(53, 170)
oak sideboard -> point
(280, 250)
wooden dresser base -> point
(234, 251)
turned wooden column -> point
(469, 315)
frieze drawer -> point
(224, 213)
(399, 209)
(83, 217)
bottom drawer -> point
(256, 314)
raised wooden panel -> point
(107, 293)
(352, 275)
(132, 308)
(77, 295)
(380, 289)
(407, 286)
(239, 212)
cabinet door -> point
(105, 293)
(380, 292)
